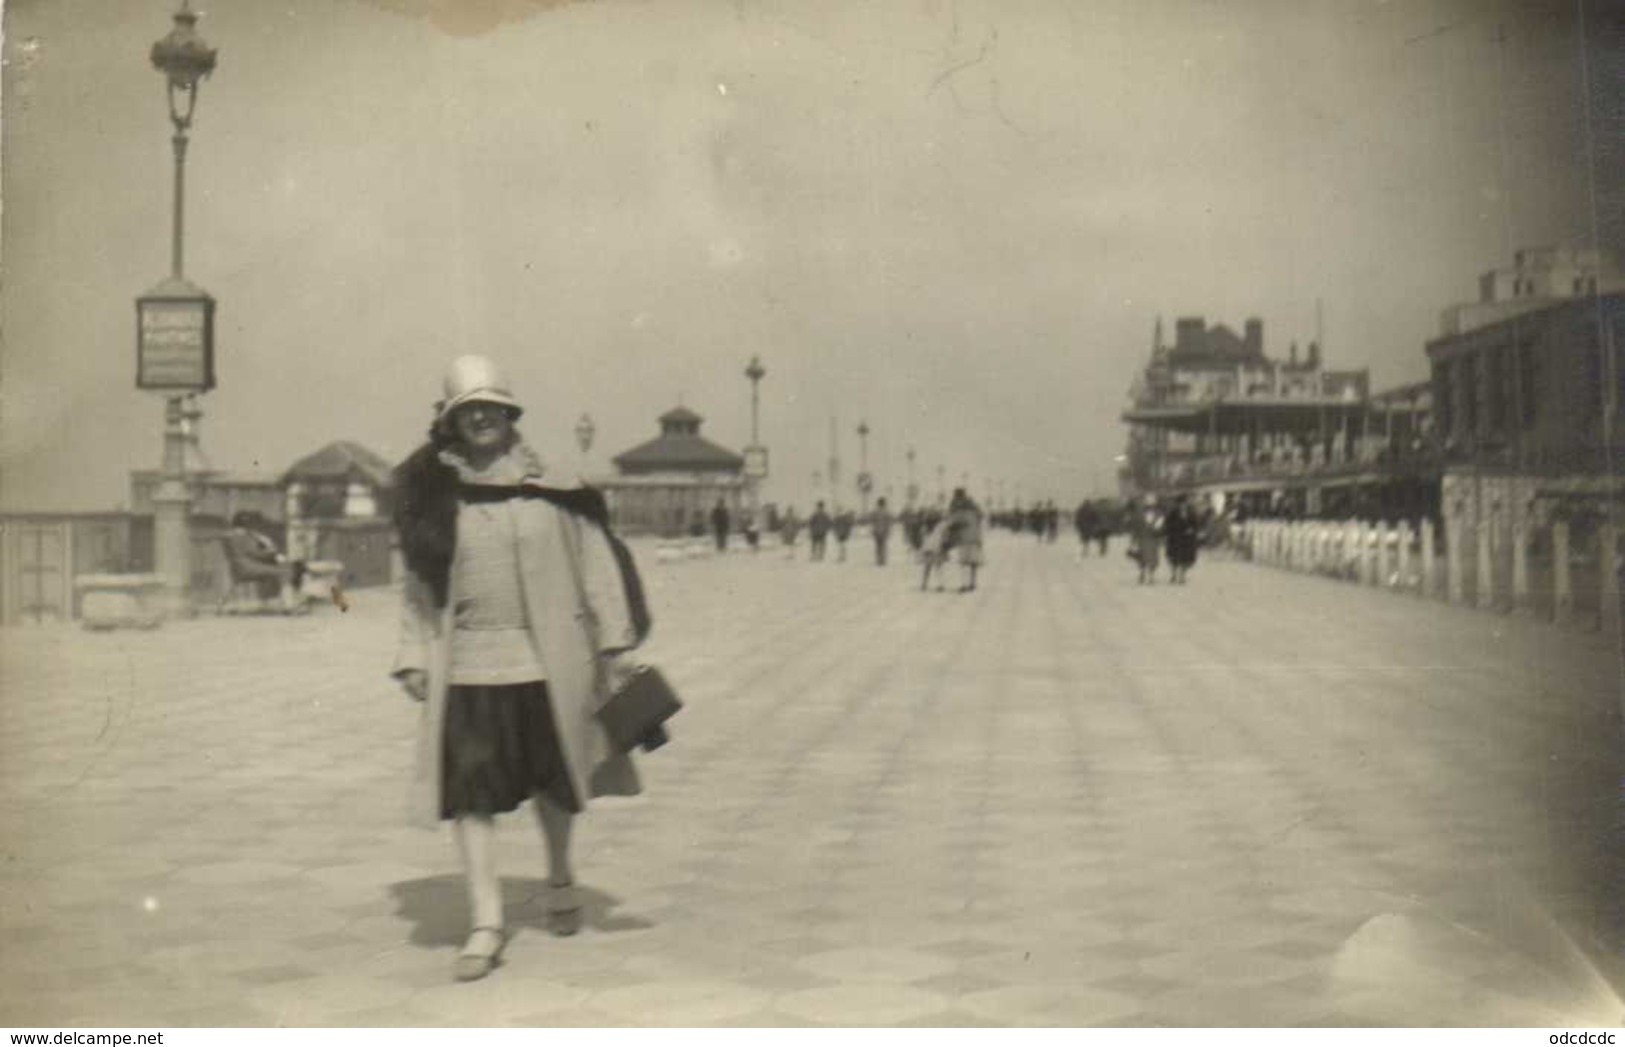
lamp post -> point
(913, 488)
(175, 324)
(584, 434)
(865, 481)
(755, 372)
(755, 454)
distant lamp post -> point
(913, 492)
(865, 481)
(175, 324)
(755, 372)
(755, 454)
(584, 434)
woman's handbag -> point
(635, 715)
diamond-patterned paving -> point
(1064, 799)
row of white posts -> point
(1402, 557)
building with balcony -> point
(1214, 415)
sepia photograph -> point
(812, 514)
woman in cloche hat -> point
(519, 607)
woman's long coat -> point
(1180, 529)
(578, 612)
(1147, 539)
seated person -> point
(255, 556)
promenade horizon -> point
(1063, 799)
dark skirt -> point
(1182, 549)
(499, 748)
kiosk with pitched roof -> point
(668, 485)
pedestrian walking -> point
(1087, 523)
(935, 548)
(789, 529)
(818, 531)
(520, 608)
(880, 522)
(1145, 540)
(912, 521)
(1182, 530)
(965, 518)
(719, 525)
(842, 526)
(1035, 520)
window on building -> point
(323, 499)
(1594, 380)
(1615, 338)
(1531, 383)
(1443, 389)
(1467, 390)
(1498, 389)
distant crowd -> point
(938, 535)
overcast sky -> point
(958, 221)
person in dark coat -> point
(1087, 521)
(719, 525)
(818, 531)
(880, 522)
(255, 556)
(1182, 531)
(843, 530)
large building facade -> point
(1214, 415)
(1527, 411)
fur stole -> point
(428, 492)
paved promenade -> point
(1262, 799)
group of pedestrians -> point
(935, 535)
(1178, 532)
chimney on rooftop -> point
(1255, 336)
(1190, 334)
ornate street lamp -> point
(755, 454)
(755, 372)
(175, 323)
(866, 482)
(184, 59)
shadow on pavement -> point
(438, 908)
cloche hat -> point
(475, 378)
